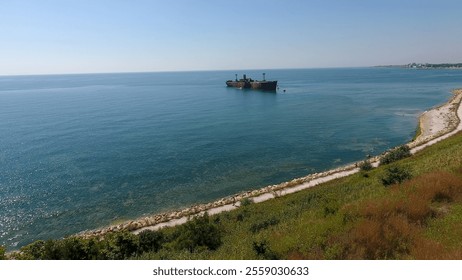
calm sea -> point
(82, 151)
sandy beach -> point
(435, 125)
(439, 123)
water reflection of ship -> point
(253, 84)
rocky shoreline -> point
(435, 124)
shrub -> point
(240, 217)
(396, 175)
(33, 251)
(365, 166)
(93, 248)
(262, 250)
(151, 241)
(246, 201)
(52, 250)
(120, 245)
(2, 253)
(72, 248)
(198, 233)
(396, 154)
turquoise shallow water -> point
(82, 151)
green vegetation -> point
(396, 154)
(396, 175)
(263, 251)
(418, 131)
(355, 217)
(198, 234)
(246, 201)
(254, 228)
(365, 166)
(2, 253)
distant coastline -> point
(414, 65)
(435, 125)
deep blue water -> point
(82, 151)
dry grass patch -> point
(391, 227)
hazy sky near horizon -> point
(91, 36)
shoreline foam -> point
(436, 124)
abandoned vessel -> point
(252, 84)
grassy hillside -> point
(356, 217)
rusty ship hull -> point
(252, 84)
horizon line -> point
(185, 71)
(212, 70)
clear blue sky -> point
(81, 36)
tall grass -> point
(391, 227)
